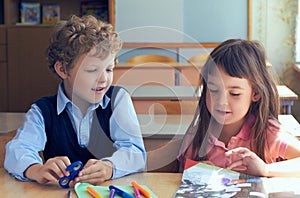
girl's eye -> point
(235, 94)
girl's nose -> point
(223, 98)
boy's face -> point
(89, 80)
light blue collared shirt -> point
(130, 157)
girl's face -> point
(228, 98)
(89, 80)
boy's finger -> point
(51, 178)
(61, 171)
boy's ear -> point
(256, 96)
(60, 70)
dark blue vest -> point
(62, 138)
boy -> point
(88, 120)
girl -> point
(236, 123)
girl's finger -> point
(237, 166)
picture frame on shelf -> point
(99, 9)
(30, 13)
(50, 13)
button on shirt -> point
(22, 151)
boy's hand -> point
(51, 171)
(95, 172)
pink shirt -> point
(276, 140)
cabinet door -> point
(3, 69)
(3, 86)
(29, 77)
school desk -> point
(173, 125)
(10, 121)
(152, 125)
(162, 184)
(148, 94)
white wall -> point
(165, 23)
(273, 23)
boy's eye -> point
(110, 69)
(213, 90)
(91, 70)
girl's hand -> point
(50, 172)
(248, 159)
(95, 172)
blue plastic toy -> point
(74, 169)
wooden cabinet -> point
(3, 69)
(24, 71)
(67, 8)
(28, 74)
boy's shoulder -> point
(47, 103)
(113, 90)
(46, 99)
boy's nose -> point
(102, 77)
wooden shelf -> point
(67, 8)
(24, 71)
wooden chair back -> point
(199, 59)
(146, 58)
(175, 107)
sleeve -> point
(130, 156)
(23, 150)
(278, 142)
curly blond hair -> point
(79, 35)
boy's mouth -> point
(98, 89)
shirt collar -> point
(64, 102)
(246, 129)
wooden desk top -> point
(10, 121)
(186, 92)
(168, 126)
(176, 65)
(285, 93)
(175, 93)
(162, 184)
(164, 126)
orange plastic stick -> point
(92, 192)
(141, 189)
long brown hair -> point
(242, 59)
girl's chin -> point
(221, 119)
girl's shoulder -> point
(274, 124)
(277, 130)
